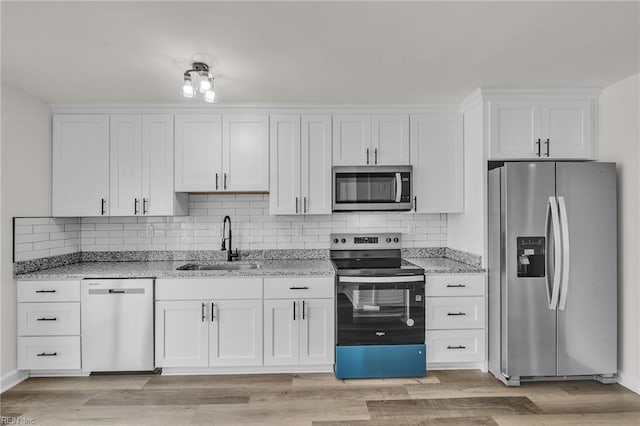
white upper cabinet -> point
(437, 160)
(316, 164)
(158, 194)
(198, 156)
(141, 177)
(351, 139)
(568, 127)
(285, 159)
(126, 165)
(533, 129)
(245, 152)
(390, 139)
(216, 152)
(365, 139)
(80, 166)
(300, 153)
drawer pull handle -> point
(457, 347)
(299, 288)
(47, 319)
(456, 285)
(455, 314)
(46, 354)
(45, 291)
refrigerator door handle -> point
(552, 210)
(565, 252)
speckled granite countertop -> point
(167, 269)
(442, 265)
(279, 267)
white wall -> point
(620, 142)
(26, 191)
(466, 231)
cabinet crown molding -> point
(246, 108)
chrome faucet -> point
(230, 254)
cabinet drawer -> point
(49, 353)
(49, 291)
(52, 319)
(455, 312)
(208, 288)
(299, 288)
(455, 346)
(455, 285)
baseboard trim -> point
(11, 379)
(457, 366)
(169, 371)
(630, 382)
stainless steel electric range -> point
(380, 312)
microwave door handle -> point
(398, 187)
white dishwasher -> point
(117, 324)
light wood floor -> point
(442, 398)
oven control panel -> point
(365, 241)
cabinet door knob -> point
(538, 145)
(135, 206)
(367, 155)
(103, 207)
(294, 310)
(216, 181)
(225, 181)
(213, 315)
(305, 205)
(145, 206)
(296, 205)
(375, 156)
(203, 315)
(303, 309)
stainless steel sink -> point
(217, 266)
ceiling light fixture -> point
(203, 80)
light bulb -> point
(187, 88)
(209, 96)
(205, 82)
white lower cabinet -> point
(299, 321)
(49, 353)
(456, 319)
(182, 334)
(210, 322)
(298, 332)
(235, 333)
(449, 346)
(222, 333)
(49, 325)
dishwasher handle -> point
(116, 291)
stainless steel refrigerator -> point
(552, 271)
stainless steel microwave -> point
(371, 188)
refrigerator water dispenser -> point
(531, 256)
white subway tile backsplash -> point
(23, 229)
(40, 237)
(253, 229)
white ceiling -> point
(314, 52)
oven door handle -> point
(394, 279)
(398, 187)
